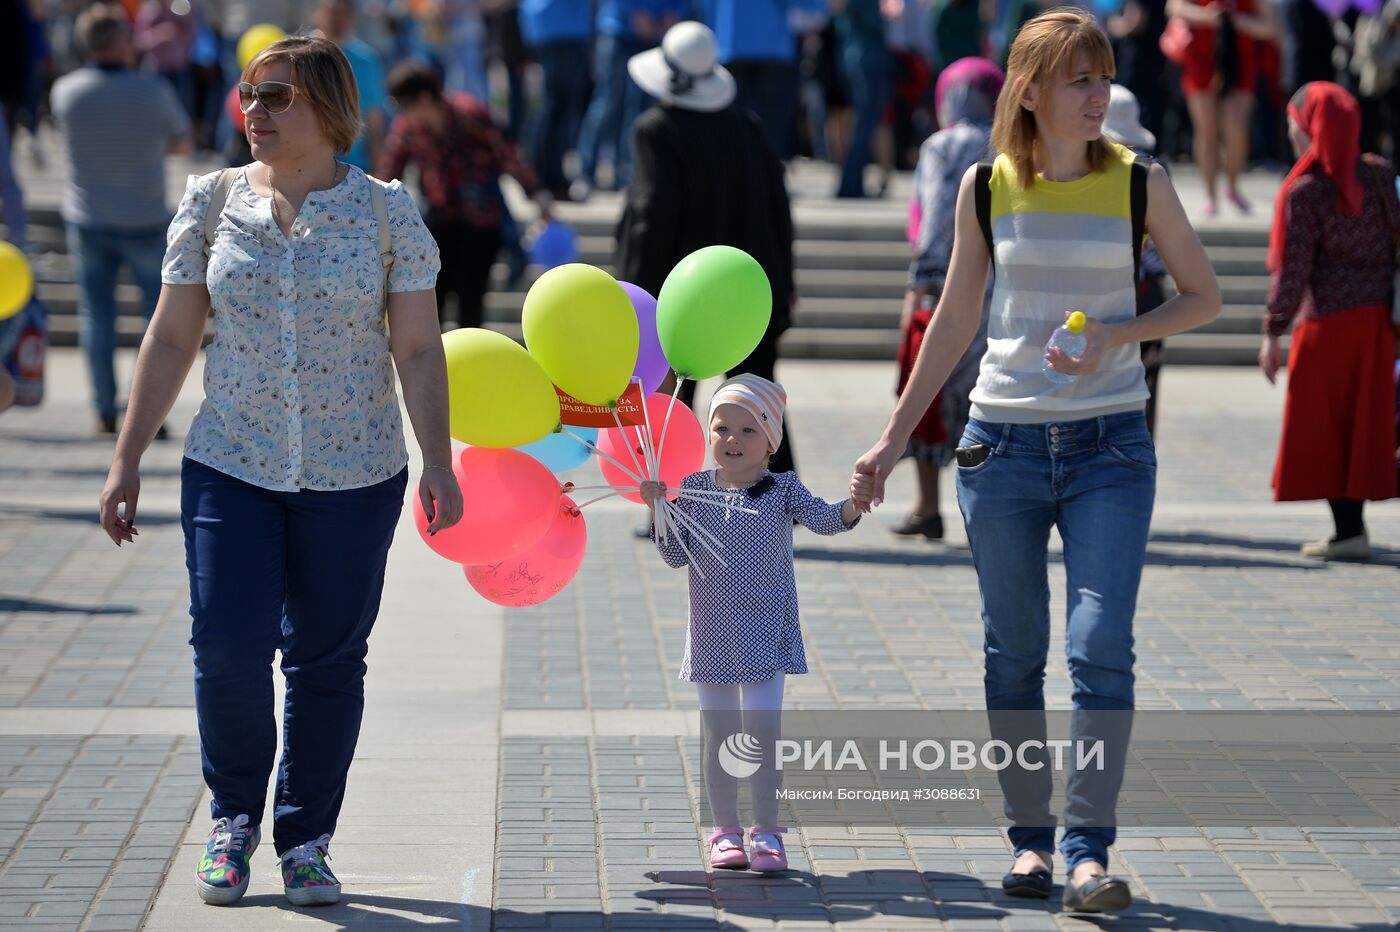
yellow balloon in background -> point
(581, 326)
(16, 280)
(498, 395)
(257, 38)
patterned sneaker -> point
(223, 871)
(306, 879)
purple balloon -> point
(651, 361)
(1332, 8)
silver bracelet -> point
(446, 469)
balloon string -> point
(699, 539)
(719, 503)
(653, 451)
(594, 449)
(644, 470)
(666, 424)
(680, 539)
(696, 527)
(598, 499)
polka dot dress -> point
(743, 615)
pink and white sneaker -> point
(727, 849)
(769, 856)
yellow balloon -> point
(498, 395)
(581, 326)
(257, 38)
(16, 280)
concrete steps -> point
(852, 265)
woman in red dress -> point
(1333, 264)
(1218, 79)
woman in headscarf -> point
(965, 98)
(1332, 254)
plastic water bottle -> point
(1069, 339)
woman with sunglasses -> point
(295, 466)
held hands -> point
(441, 498)
(868, 479)
(652, 492)
(1098, 338)
(123, 487)
(1270, 358)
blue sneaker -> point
(223, 871)
(306, 879)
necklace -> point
(335, 179)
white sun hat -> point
(1123, 122)
(684, 70)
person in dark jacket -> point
(704, 175)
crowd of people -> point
(328, 288)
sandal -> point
(769, 855)
(727, 849)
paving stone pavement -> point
(533, 769)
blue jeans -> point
(300, 572)
(564, 98)
(616, 102)
(98, 256)
(1095, 480)
(870, 91)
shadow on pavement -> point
(89, 515)
(959, 556)
(13, 604)
(1385, 556)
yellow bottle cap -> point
(1076, 322)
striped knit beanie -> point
(763, 399)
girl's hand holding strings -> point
(652, 491)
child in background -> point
(744, 636)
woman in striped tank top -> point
(1039, 454)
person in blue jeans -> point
(116, 125)
(557, 33)
(868, 69)
(1037, 454)
(320, 283)
(625, 27)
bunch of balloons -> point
(584, 386)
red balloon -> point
(682, 455)
(540, 573)
(509, 503)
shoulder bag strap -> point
(983, 199)
(1137, 202)
(380, 202)
(217, 198)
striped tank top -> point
(1060, 246)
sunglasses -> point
(275, 96)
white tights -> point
(754, 709)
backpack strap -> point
(380, 202)
(217, 198)
(982, 191)
(1137, 194)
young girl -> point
(744, 636)
(1038, 454)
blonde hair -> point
(322, 75)
(1046, 49)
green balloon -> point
(712, 310)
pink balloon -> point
(510, 501)
(651, 365)
(682, 455)
(540, 573)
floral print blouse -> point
(298, 381)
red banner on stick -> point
(575, 413)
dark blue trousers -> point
(300, 572)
